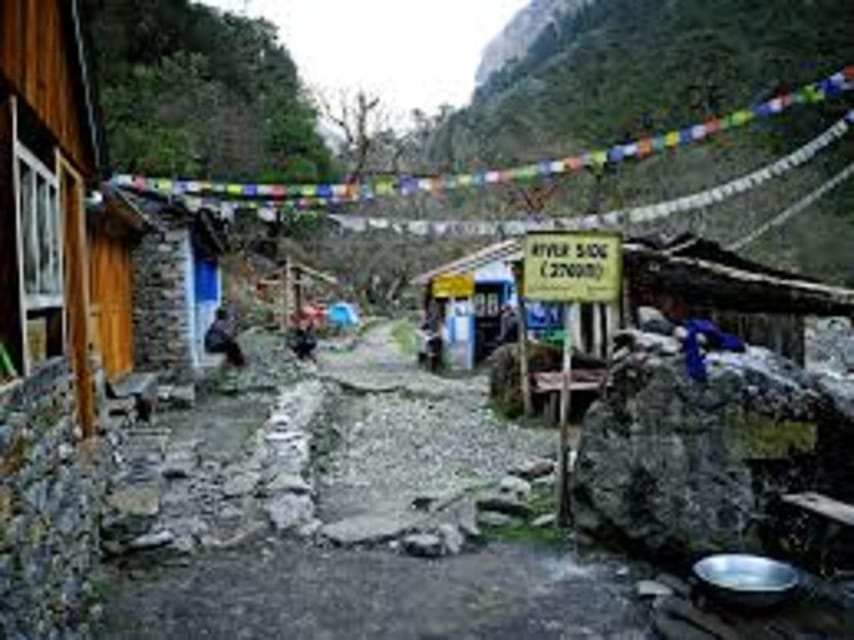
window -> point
(41, 232)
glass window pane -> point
(43, 233)
(55, 271)
(28, 228)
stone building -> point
(177, 289)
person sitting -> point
(509, 325)
(303, 341)
(219, 338)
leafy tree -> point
(189, 91)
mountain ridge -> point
(521, 32)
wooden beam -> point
(565, 408)
(577, 330)
(77, 293)
(822, 505)
(612, 326)
(598, 330)
(704, 283)
(524, 373)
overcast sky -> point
(414, 54)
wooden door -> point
(112, 303)
(76, 296)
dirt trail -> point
(403, 432)
(406, 433)
(291, 592)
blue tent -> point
(343, 315)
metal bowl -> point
(746, 581)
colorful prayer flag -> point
(574, 163)
(599, 158)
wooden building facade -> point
(49, 152)
(115, 227)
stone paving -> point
(224, 471)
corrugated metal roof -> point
(501, 251)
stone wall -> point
(162, 324)
(830, 345)
(50, 492)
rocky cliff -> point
(522, 32)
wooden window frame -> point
(36, 303)
(39, 301)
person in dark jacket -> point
(303, 341)
(509, 325)
(219, 338)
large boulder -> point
(682, 468)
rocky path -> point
(407, 435)
(384, 436)
(222, 468)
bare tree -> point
(359, 118)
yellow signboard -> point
(573, 267)
(453, 285)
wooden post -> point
(286, 294)
(524, 374)
(565, 407)
(577, 328)
(612, 322)
(77, 294)
(598, 338)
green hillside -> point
(621, 69)
(189, 91)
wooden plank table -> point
(580, 380)
(823, 505)
(835, 515)
(551, 382)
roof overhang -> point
(116, 214)
(96, 135)
(506, 251)
(699, 268)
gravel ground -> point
(422, 434)
(402, 432)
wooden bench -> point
(141, 388)
(834, 510)
(835, 514)
(550, 383)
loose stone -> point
(494, 519)
(423, 545)
(452, 538)
(544, 521)
(505, 504)
(515, 486)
